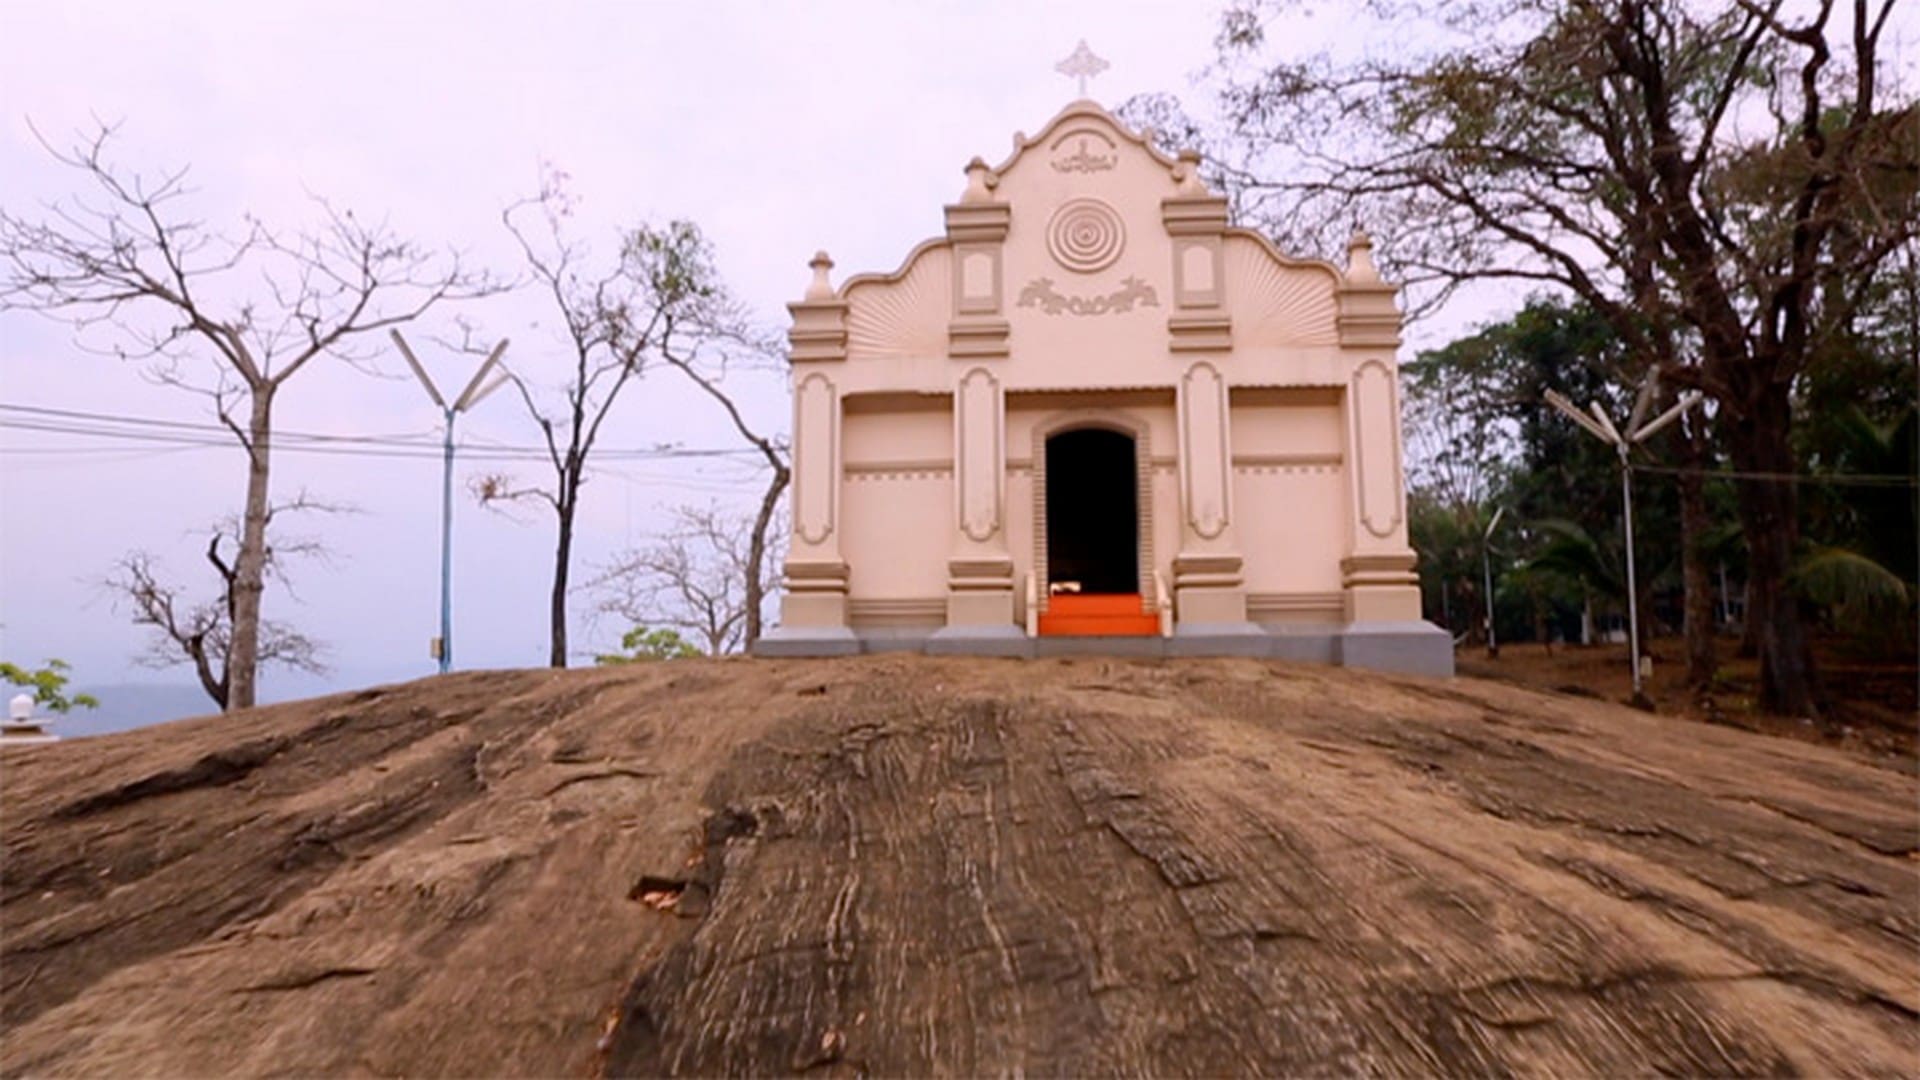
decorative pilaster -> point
(980, 572)
(1377, 574)
(977, 227)
(815, 585)
(1207, 583)
(1196, 221)
(819, 330)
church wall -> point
(1289, 489)
(1087, 266)
(1090, 277)
(897, 505)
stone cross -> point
(1082, 65)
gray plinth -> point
(894, 638)
(1306, 644)
(1411, 648)
(1219, 639)
(807, 641)
(1008, 640)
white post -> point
(1486, 569)
(1633, 602)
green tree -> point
(1722, 183)
(49, 685)
(645, 644)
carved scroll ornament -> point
(1040, 293)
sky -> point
(779, 129)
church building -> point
(1094, 417)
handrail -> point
(1164, 603)
(1033, 605)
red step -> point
(1098, 615)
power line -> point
(1849, 479)
(175, 433)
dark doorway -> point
(1093, 517)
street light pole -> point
(443, 645)
(1633, 590)
(446, 545)
(1596, 423)
(1486, 570)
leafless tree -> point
(757, 577)
(657, 301)
(200, 633)
(233, 315)
(1723, 181)
(695, 578)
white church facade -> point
(1095, 417)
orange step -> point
(1098, 615)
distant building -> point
(1095, 417)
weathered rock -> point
(907, 865)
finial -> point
(980, 183)
(1360, 257)
(820, 288)
(1188, 173)
(1081, 65)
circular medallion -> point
(1085, 235)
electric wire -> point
(423, 445)
(1890, 480)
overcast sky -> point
(778, 128)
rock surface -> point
(914, 866)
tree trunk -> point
(562, 558)
(250, 564)
(1757, 442)
(757, 550)
(1696, 575)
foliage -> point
(1482, 437)
(1724, 185)
(48, 683)
(644, 644)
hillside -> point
(905, 865)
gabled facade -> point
(1095, 417)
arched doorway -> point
(1093, 519)
(1093, 535)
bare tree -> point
(231, 315)
(200, 633)
(657, 300)
(1723, 182)
(697, 578)
(757, 581)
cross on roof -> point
(1082, 65)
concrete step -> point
(1098, 615)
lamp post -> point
(471, 396)
(1486, 570)
(1596, 422)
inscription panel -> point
(816, 408)
(1204, 449)
(979, 423)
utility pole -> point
(1486, 570)
(1596, 422)
(442, 649)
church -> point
(1096, 418)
